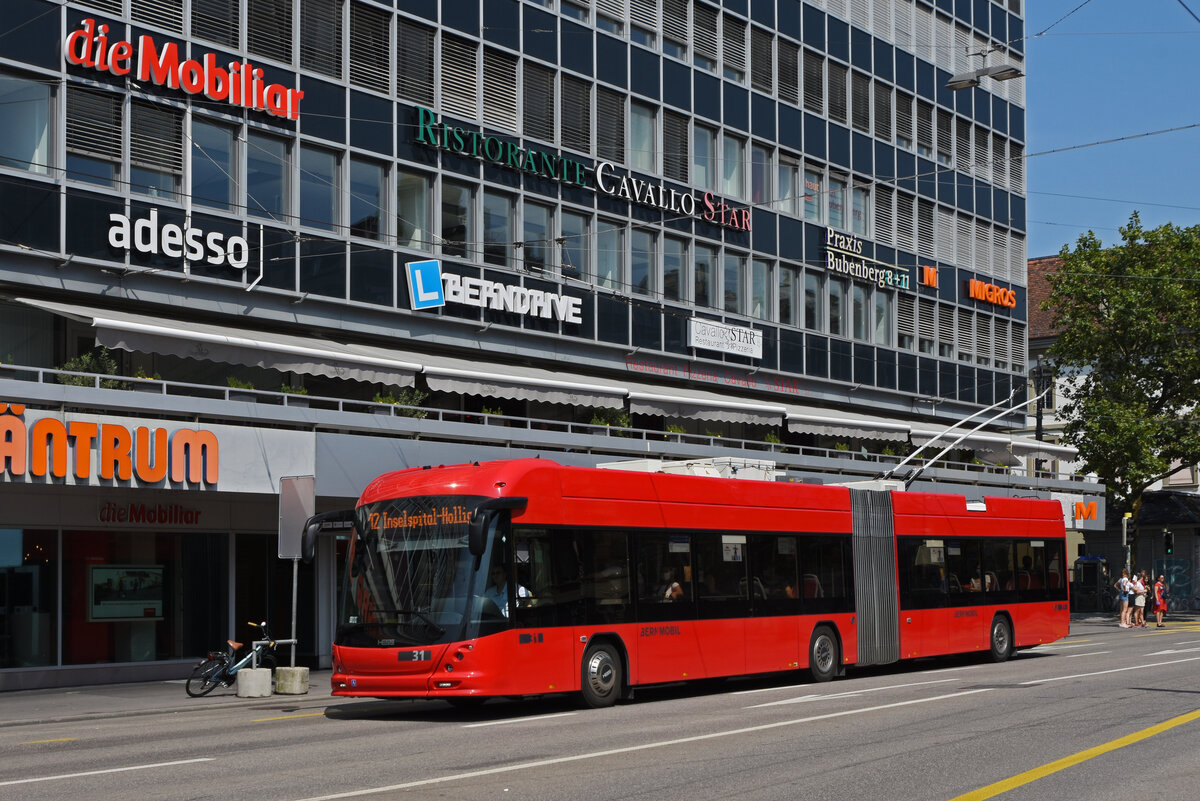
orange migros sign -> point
(53, 448)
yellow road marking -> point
(1001, 787)
(289, 717)
(59, 740)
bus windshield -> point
(410, 577)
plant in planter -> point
(296, 394)
(772, 438)
(147, 382)
(613, 418)
(237, 383)
(100, 361)
(405, 397)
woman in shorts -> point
(1123, 594)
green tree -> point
(1127, 317)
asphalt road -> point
(1105, 714)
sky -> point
(1103, 70)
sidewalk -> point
(24, 707)
(1111, 617)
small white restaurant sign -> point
(712, 335)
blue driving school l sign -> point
(425, 284)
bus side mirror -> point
(481, 521)
(312, 527)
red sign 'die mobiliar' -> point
(241, 84)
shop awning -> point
(811, 420)
(231, 345)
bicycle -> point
(220, 668)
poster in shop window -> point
(125, 592)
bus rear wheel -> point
(1001, 639)
(823, 656)
(601, 680)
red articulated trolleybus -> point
(526, 577)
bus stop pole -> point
(295, 584)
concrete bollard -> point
(291, 680)
(253, 683)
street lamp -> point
(997, 72)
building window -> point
(814, 196)
(733, 39)
(642, 265)
(500, 89)
(575, 11)
(610, 254)
(734, 265)
(837, 203)
(368, 182)
(216, 21)
(266, 176)
(538, 109)
(704, 145)
(705, 276)
(213, 164)
(789, 301)
(458, 215)
(576, 244)
(675, 146)
(643, 138)
(760, 289)
(576, 118)
(704, 37)
(321, 36)
(497, 228)
(760, 175)
(414, 61)
(838, 309)
(814, 301)
(412, 210)
(94, 133)
(370, 48)
(25, 136)
(762, 60)
(318, 187)
(860, 321)
(269, 29)
(675, 15)
(787, 185)
(642, 36)
(610, 25)
(610, 125)
(460, 88)
(860, 212)
(155, 150)
(733, 182)
(536, 248)
(674, 268)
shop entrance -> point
(263, 591)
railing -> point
(621, 441)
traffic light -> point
(1168, 541)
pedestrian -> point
(1122, 586)
(1139, 601)
(1160, 600)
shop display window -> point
(28, 598)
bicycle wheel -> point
(205, 677)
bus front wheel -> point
(1001, 639)
(601, 684)
(823, 655)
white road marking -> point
(541, 763)
(109, 770)
(1055, 645)
(1102, 672)
(1174, 651)
(848, 694)
(517, 720)
(1090, 653)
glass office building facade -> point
(756, 227)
